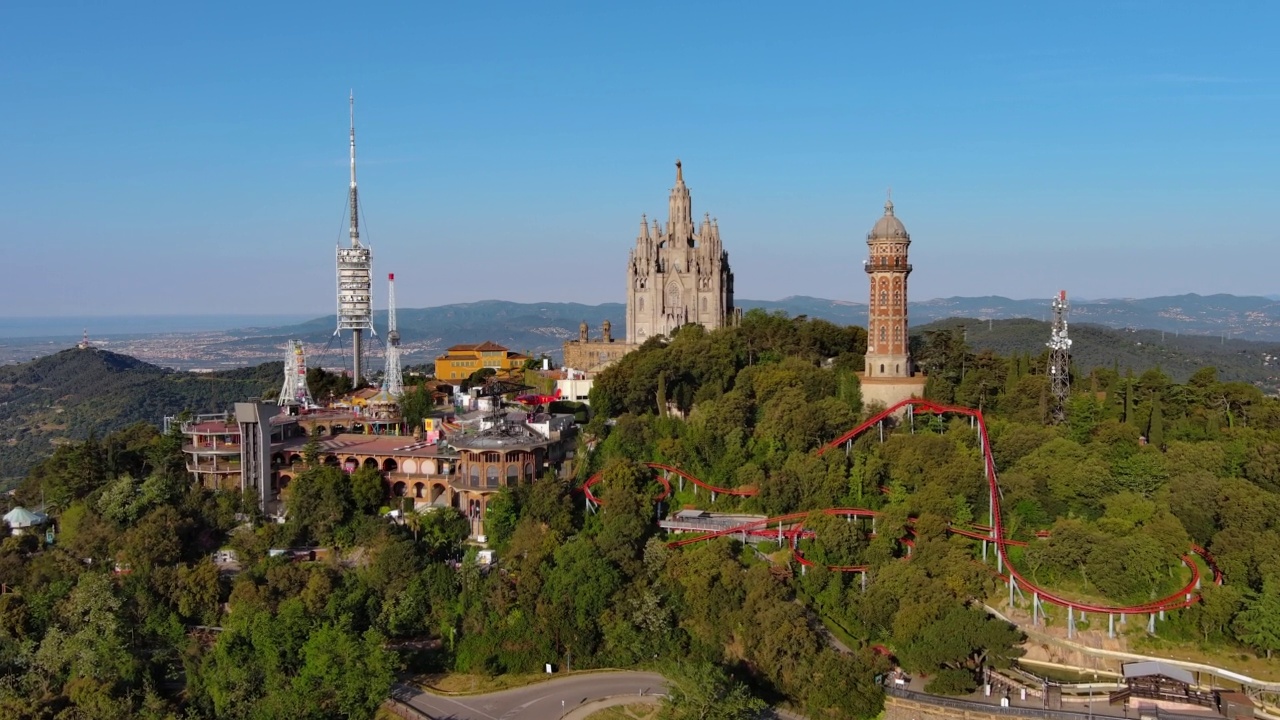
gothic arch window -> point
(883, 334)
(673, 295)
(884, 297)
(640, 304)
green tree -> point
(703, 691)
(1258, 625)
(368, 489)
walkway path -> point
(583, 711)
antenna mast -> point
(1059, 358)
(392, 378)
(355, 274)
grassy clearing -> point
(1243, 662)
(464, 684)
(634, 711)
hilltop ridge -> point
(75, 392)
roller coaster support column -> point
(1071, 622)
(911, 415)
(1111, 625)
(1151, 623)
(881, 426)
(1013, 587)
(864, 580)
(1037, 609)
(666, 474)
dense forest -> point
(127, 615)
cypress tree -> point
(1155, 432)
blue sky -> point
(179, 158)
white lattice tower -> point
(393, 379)
(295, 390)
(1059, 358)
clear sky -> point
(191, 157)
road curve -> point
(548, 700)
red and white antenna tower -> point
(392, 379)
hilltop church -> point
(676, 274)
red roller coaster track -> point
(995, 535)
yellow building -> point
(460, 361)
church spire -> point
(355, 204)
(680, 215)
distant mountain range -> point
(542, 327)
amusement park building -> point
(460, 361)
(464, 471)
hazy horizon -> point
(179, 156)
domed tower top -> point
(889, 227)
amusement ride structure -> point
(295, 390)
(790, 529)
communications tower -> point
(392, 379)
(295, 390)
(355, 278)
(1059, 358)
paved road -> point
(542, 701)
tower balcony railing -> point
(869, 268)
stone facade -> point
(677, 274)
(593, 355)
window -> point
(704, 304)
(883, 333)
(882, 369)
(640, 304)
(884, 297)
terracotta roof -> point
(489, 346)
(471, 346)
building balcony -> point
(215, 467)
(219, 449)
